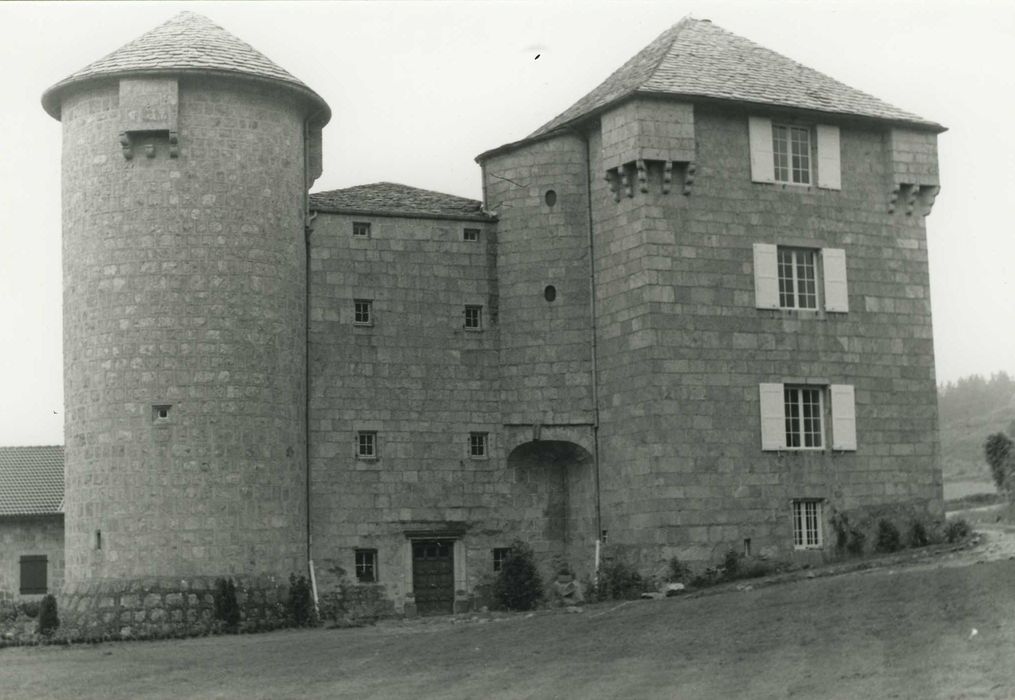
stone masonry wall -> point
(682, 350)
(42, 535)
(420, 381)
(184, 286)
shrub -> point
(518, 586)
(226, 608)
(48, 618)
(30, 608)
(677, 571)
(301, 603)
(889, 539)
(1000, 454)
(957, 530)
(619, 581)
(849, 538)
(731, 566)
(708, 577)
(918, 535)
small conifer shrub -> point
(301, 603)
(518, 586)
(48, 618)
(226, 608)
(888, 538)
(918, 535)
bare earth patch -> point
(941, 628)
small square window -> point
(500, 555)
(470, 234)
(791, 152)
(477, 445)
(798, 278)
(160, 413)
(807, 524)
(473, 318)
(366, 565)
(366, 444)
(804, 411)
(363, 312)
(361, 229)
(34, 570)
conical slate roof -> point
(187, 43)
(697, 59)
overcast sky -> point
(419, 89)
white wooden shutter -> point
(829, 167)
(766, 276)
(762, 161)
(843, 417)
(773, 417)
(836, 290)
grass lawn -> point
(906, 633)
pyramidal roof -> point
(187, 43)
(392, 199)
(695, 58)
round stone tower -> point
(187, 157)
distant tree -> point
(1001, 458)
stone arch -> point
(555, 498)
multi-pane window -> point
(806, 524)
(362, 312)
(34, 574)
(500, 555)
(791, 153)
(361, 229)
(804, 408)
(473, 318)
(366, 444)
(798, 278)
(470, 234)
(366, 565)
(477, 445)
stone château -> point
(691, 314)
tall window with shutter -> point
(787, 153)
(793, 278)
(794, 417)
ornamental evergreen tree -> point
(1001, 458)
(518, 585)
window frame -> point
(471, 235)
(482, 440)
(478, 309)
(368, 306)
(366, 438)
(33, 561)
(795, 279)
(369, 563)
(362, 229)
(802, 533)
(500, 555)
(799, 403)
(791, 170)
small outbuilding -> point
(31, 521)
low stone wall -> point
(356, 604)
(166, 607)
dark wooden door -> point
(433, 576)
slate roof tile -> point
(31, 480)
(187, 42)
(392, 199)
(695, 58)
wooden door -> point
(433, 576)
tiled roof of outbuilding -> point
(392, 199)
(31, 480)
(188, 42)
(695, 58)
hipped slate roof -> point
(392, 199)
(31, 480)
(187, 43)
(697, 59)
